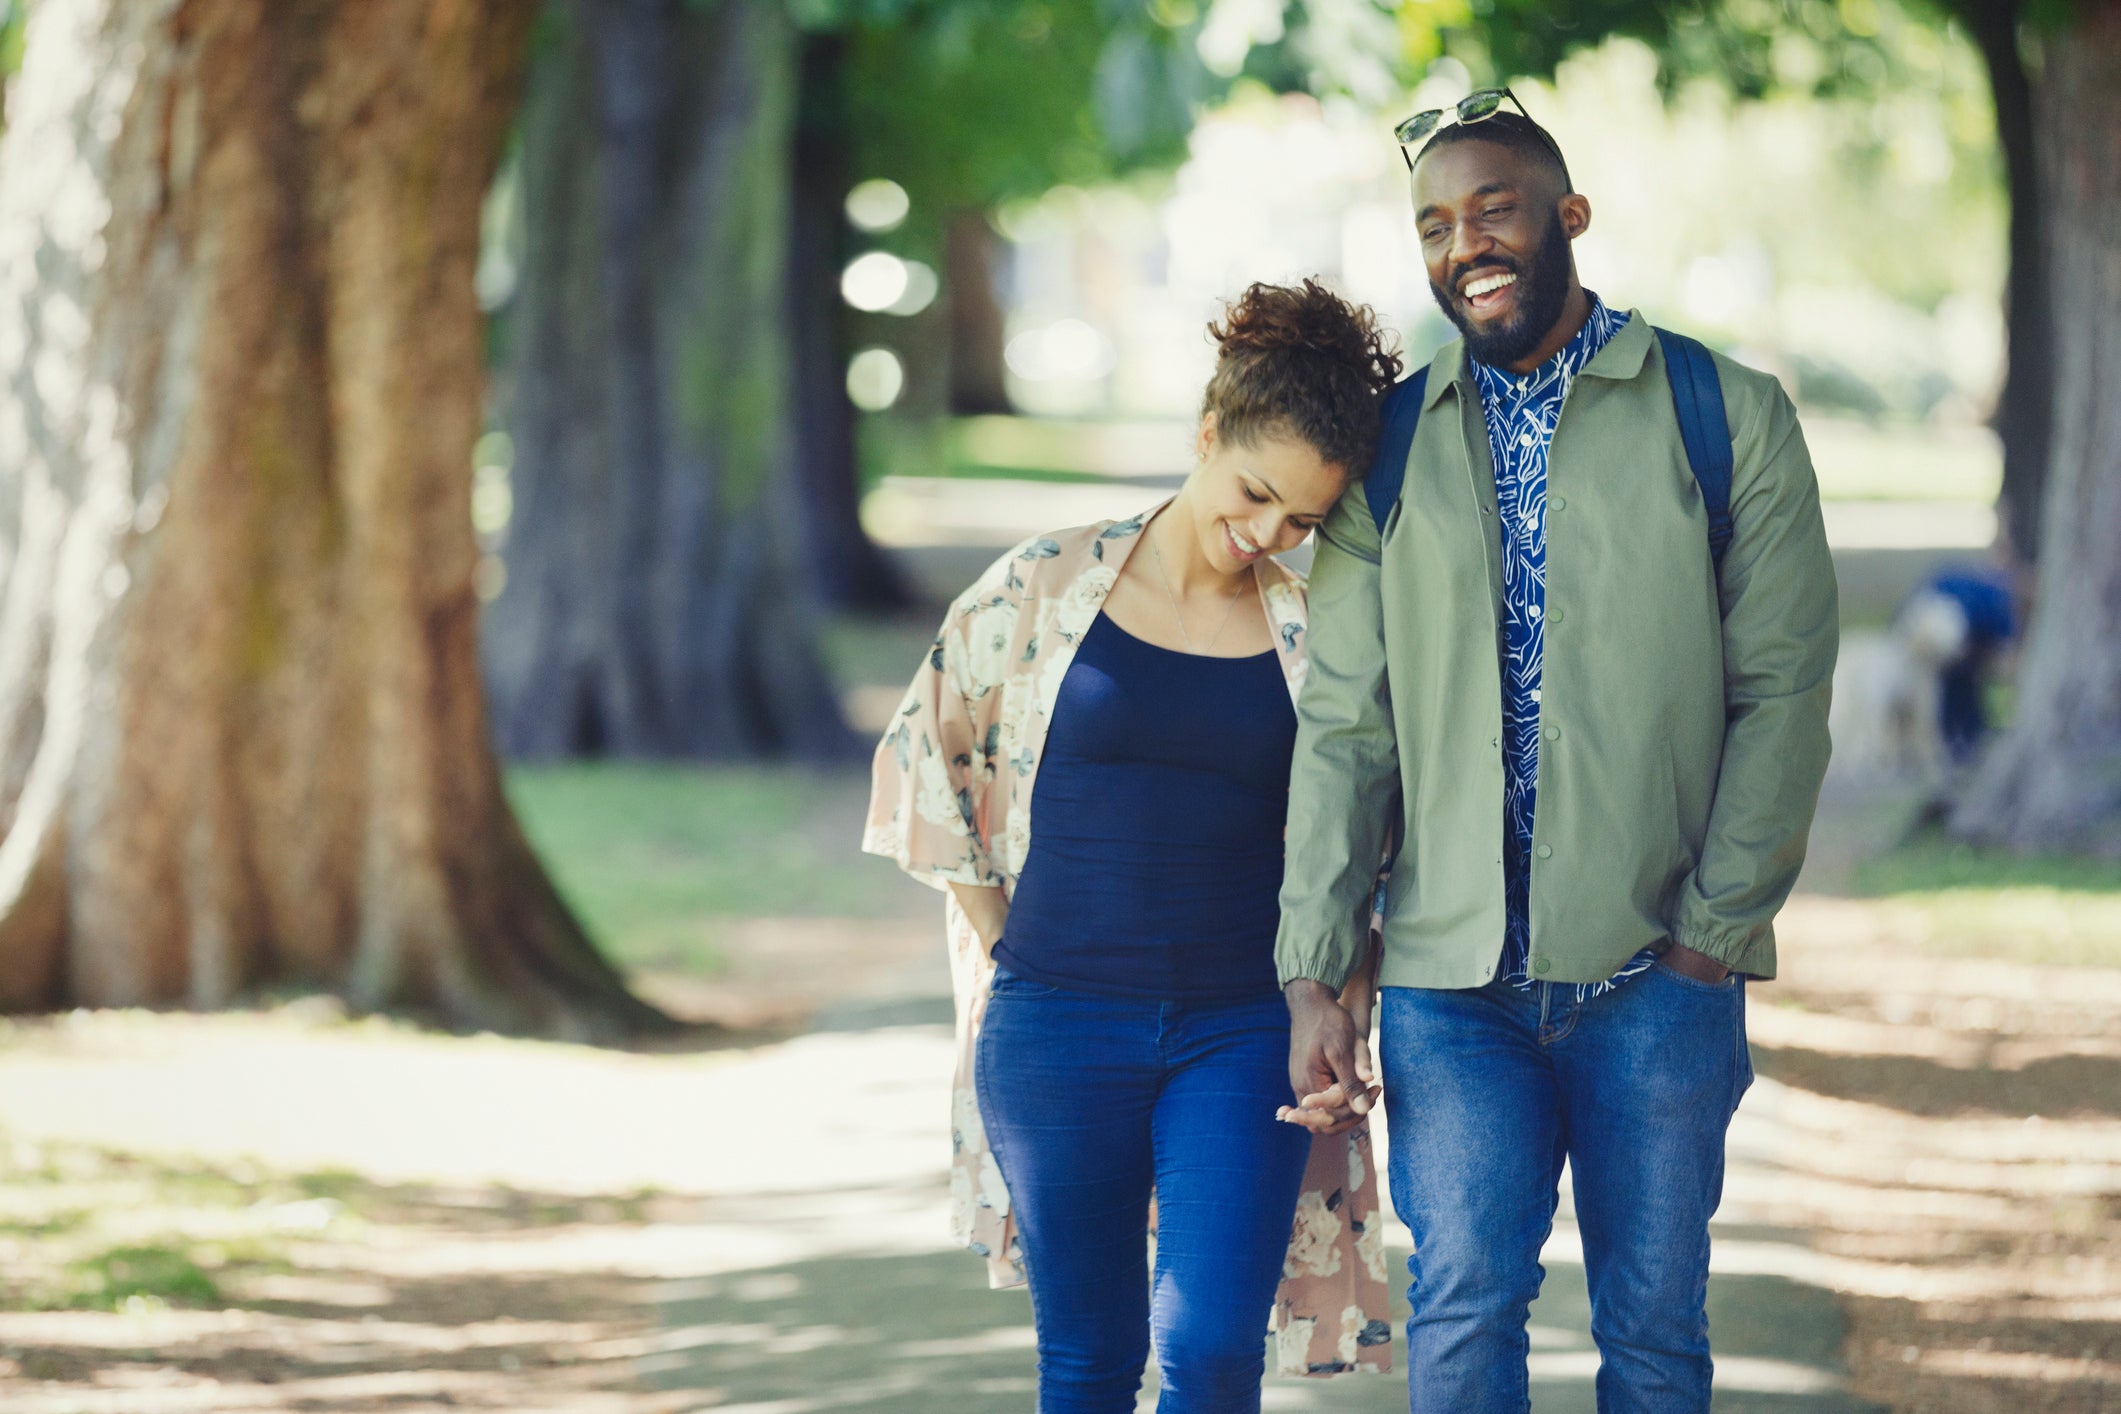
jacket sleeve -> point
(1781, 632)
(932, 769)
(1347, 760)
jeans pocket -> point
(1727, 987)
(1008, 984)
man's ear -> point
(1575, 212)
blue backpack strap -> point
(1400, 415)
(1697, 396)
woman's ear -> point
(1204, 440)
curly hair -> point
(1300, 361)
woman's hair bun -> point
(1299, 360)
(1308, 317)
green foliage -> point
(970, 104)
(1821, 48)
(14, 15)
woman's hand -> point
(1329, 1062)
(986, 909)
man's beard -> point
(1543, 292)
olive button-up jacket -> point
(1682, 711)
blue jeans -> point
(1091, 1102)
(1487, 1092)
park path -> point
(880, 1314)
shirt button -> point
(1560, 503)
(1552, 733)
(1487, 510)
(1554, 616)
(1541, 966)
(1494, 741)
(1546, 851)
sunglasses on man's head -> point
(1477, 106)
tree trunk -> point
(975, 314)
(2023, 416)
(2054, 780)
(658, 601)
(242, 741)
(852, 570)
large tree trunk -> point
(2023, 415)
(975, 313)
(658, 601)
(242, 741)
(2054, 781)
(852, 570)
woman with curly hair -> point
(1123, 1039)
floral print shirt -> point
(951, 803)
(1521, 413)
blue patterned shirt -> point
(1521, 413)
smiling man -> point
(1603, 717)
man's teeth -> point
(1488, 283)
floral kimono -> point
(951, 803)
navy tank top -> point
(1156, 826)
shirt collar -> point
(1623, 357)
(1572, 358)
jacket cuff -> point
(1322, 965)
(1749, 951)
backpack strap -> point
(1400, 415)
(1697, 396)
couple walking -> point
(1562, 667)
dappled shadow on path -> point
(907, 1334)
(2062, 1085)
(1952, 1139)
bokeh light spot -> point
(875, 378)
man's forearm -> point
(1347, 766)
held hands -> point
(1329, 1058)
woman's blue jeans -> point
(1091, 1103)
(1488, 1091)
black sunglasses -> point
(1476, 107)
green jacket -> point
(1682, 720)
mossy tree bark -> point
(659, 598)
(2053, 782)
(242, 736)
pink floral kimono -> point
(951, 803)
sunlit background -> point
(956, 292)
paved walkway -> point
(873, 1311)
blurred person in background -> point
(1981, 597)
(1122, 1031)
(1547, 614)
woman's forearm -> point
(987, 909)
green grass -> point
(109, 1281)
(658, 860)
(1967, 902)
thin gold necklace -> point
(1164, 577)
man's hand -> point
(1329, 1062)
(1698, 965)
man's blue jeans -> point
(1488, 1091)
(1089, 1103)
